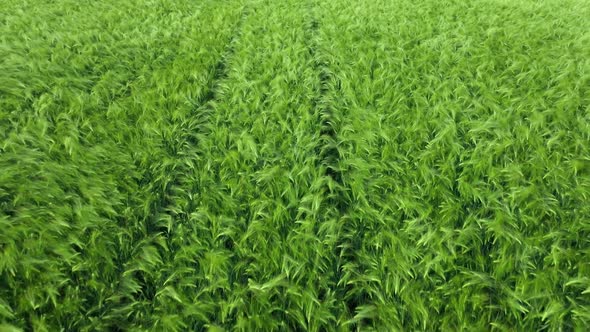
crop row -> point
(247, 211)
(461, 131)
(95, 100)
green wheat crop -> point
(295, 165)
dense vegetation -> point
(294, 165)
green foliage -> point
(294, 165)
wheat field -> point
(294, 165)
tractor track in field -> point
(338, 199)
(163, 205)
(221, 67)
(328, 150)
(220, 72)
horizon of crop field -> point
(295, 165)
